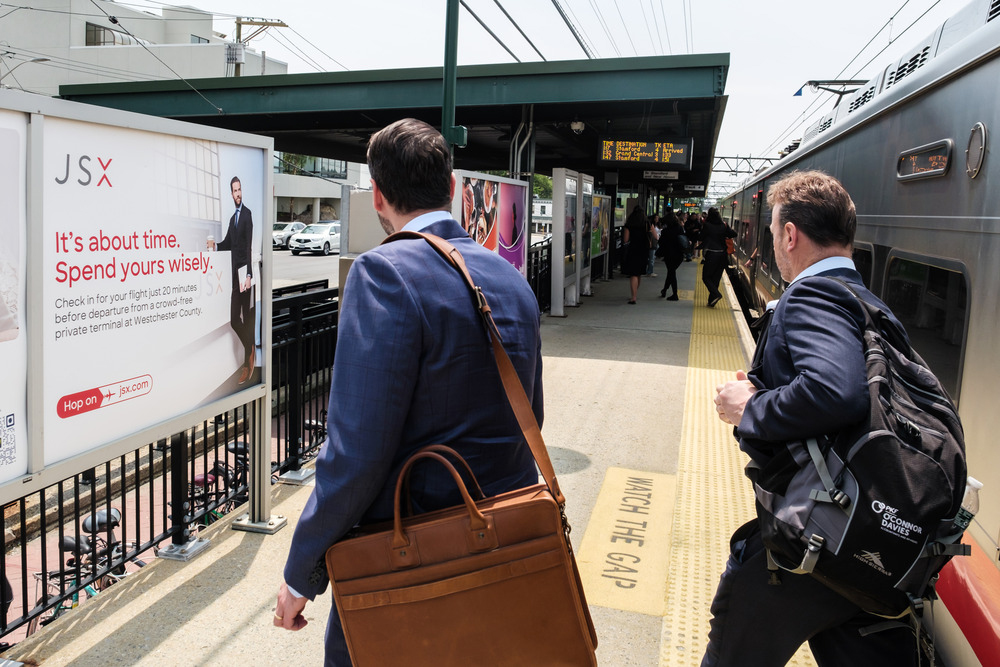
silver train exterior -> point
(913, 148)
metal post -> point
(182, 546)
(293, 411)
(455, 135)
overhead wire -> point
(656, 21)
(514, 23)
(296, 50)
(604, 25)
(302, 37)
(487, 29)
(649, 30)
(572, 28)
(666, 28)
(583, 31)
(798, 120)
(115, 21)
(628, 33)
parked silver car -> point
(323, 236)
(283, 231)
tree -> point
(542, 186)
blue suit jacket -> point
(811, 374)
(414, 367)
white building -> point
(48, 43)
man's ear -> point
(792, 232)
(452, 195)
(378, 201)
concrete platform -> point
(628, 413)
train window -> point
(931, 302)
(863, 263)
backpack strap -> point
(832, 493)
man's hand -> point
(246, 283)
(732, 397)
(288, 611)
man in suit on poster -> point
(413, 367)
(239, 242)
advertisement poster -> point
(13, 334)
(570, 259)
(588, 213)
(601, 226)
(493, 212)
(480, 198)
(150, 279)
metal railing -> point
(540, 273)
(74, 538)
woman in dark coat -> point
(635, 256)
(671, 251)
(713, 241)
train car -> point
(912, 147)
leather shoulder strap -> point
(511, 382)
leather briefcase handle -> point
(481, 535)
(444, 450)
(511, 382)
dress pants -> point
(711, 273)
(756, 624)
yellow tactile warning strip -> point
(623, 556)
(713, 496)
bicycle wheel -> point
(44, 618)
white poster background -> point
(136, 310)
(13, 333)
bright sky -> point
(775, 45)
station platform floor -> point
(653, 482)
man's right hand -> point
(731, 398)
(288, 610)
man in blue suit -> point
(808, 379)
(414, 367)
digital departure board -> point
(924, 161)
(622, 151)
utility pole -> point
(262, 25)
(454, 135)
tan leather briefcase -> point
(489, 582)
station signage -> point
(676, 153)
(661, 175)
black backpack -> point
(870, 511)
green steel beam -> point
(566, 82)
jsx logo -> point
(85, 177)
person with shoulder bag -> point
(714, 235)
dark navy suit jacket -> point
(811, 375)
(414, 367)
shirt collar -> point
(421, 222)
(825, 264)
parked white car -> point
(283, 231)
(323, 236)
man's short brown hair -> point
(411, 164)
(818, 205)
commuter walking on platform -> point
(692, 229)
(672, 252)
(407, 373)
(713, 241)
(809, 378)
(654, 228)
(636, 238)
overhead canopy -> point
(662, 98)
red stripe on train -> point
(970, 588)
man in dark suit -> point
(414, 367)
(239, 242)
(808, 379)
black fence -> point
(74, 538)
(540, 273)
(71, 540)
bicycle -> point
(316, 428)
(87, 556)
